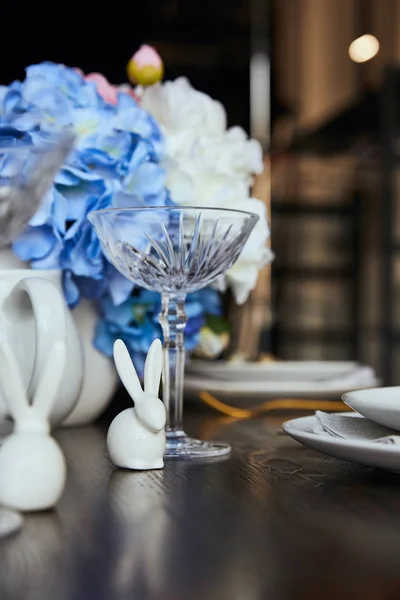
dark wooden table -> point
(275, 521)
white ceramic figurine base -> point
(32, 466)
(136, 437)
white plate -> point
(262, 390)
(381, 405)
(371, 454)
(277, 371)
(10, 522)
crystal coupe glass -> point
(174, 251)
(27, 171)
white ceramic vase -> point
(100, 379)
(33, 316)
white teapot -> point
(33, 316)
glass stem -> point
(173, 322)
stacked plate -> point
(258, 381)
(377, 408)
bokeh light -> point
(364, 48)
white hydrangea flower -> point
(209, 165)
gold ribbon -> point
(271, 405)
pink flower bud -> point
(145, 67)
(147, 56)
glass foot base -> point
(186, 448)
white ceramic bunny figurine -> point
(136, 437)
(32, 466)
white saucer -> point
(10, 522)
(253, 391)
(371, 454)
(381, 405)
(307, 370)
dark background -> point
(208, 41)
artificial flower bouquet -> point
(153, 143)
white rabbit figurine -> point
(136, 437)
(32, 466)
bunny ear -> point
(127, 371)
(153, 368)
(11, 382)
(50, 380)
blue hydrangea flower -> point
(135, 321)
(116, 156)
(116, 162)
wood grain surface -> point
(275, 521)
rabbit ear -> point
(153, 368)
(127, 371)
(50, 380)
(11, 382)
